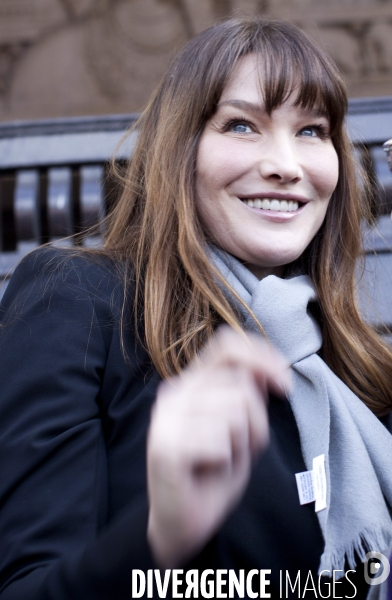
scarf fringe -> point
(376, 539)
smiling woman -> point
(264, 181)
(240, 207)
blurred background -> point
(63, 58)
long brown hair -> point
(155, 229)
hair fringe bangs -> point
(287, 69)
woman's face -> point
(263, 182)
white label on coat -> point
(305, 487)
(320, 483)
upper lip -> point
(276, 196)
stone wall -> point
(78, 57)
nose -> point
(280, 162)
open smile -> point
(275, 201)
(273, 204)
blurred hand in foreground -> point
(207, 425)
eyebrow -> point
(257, 108)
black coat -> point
(73, 422)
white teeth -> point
(284, 206)
(274, 204)
(266, 204)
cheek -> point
(219, 163)
(207, 187)
(325, 174)
(213, 175)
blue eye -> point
(314, 131)
(309, 132)
(240, 128)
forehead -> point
(244, 82)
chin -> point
(272, 261)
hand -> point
(206, 427)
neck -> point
(261, 272)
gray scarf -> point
(331, 419)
